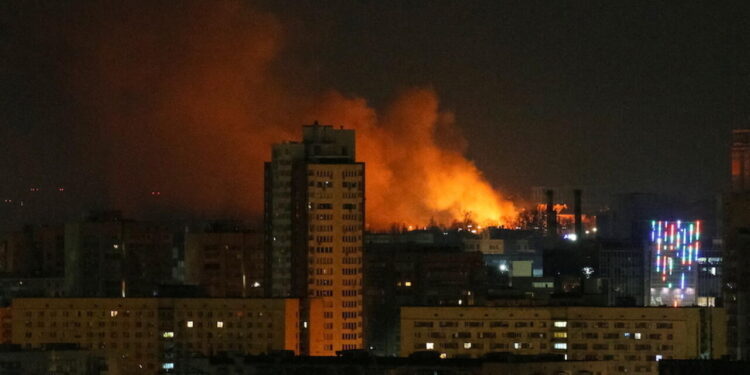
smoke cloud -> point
(182, 99)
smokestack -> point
(551, 214)
(577, 213)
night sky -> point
(640, 96)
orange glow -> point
(191, 104)
(412, 178)
(542, 207)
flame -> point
(183, 98)
(410, 177)
(558, 208)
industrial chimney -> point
(577, 213)
(551, 214)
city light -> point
(674, 252)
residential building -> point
(225, 264)
(152, 335)
(359, 363)
(62, 359)
(736, 241)
(630, 339)
(107, 256)
(5, 325)
(740, 154)
(404, 274)
(35, 251)
(314, 220)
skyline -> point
(585, 95)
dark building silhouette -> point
(108, 256)
(225, 263)
(401, 273)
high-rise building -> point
(314, 218)
(740, 160)
(675, 247)
(736, 239)
(736, 287)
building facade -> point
(736, 239)
(107, 256)
(53, 359)
(740, 160)
(314, 220)
(225, 264)
(410, 275)
(151, 335)
(736, 294)
(631, 339)
(674, 247)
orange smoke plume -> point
(410, 177)
(182, 98)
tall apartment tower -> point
(740, 160)
(314, 220)
(736, 239)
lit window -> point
(429, 345)
(168, 366)
(561, 345)
(168, 334)
(190, 324)
(467, 345)
(220, 324)
(659, 357)
(304, 324)
(407, 283)
(561, 324)
(516, 345)
(637, 335)
(113, 313)
(560, 335)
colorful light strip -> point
(675, 250)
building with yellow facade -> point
(631, 339)
(150, 335)
(314, 218)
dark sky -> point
(635, 95)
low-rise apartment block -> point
(632, 339)
(150, 335)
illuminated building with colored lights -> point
(675, 247)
